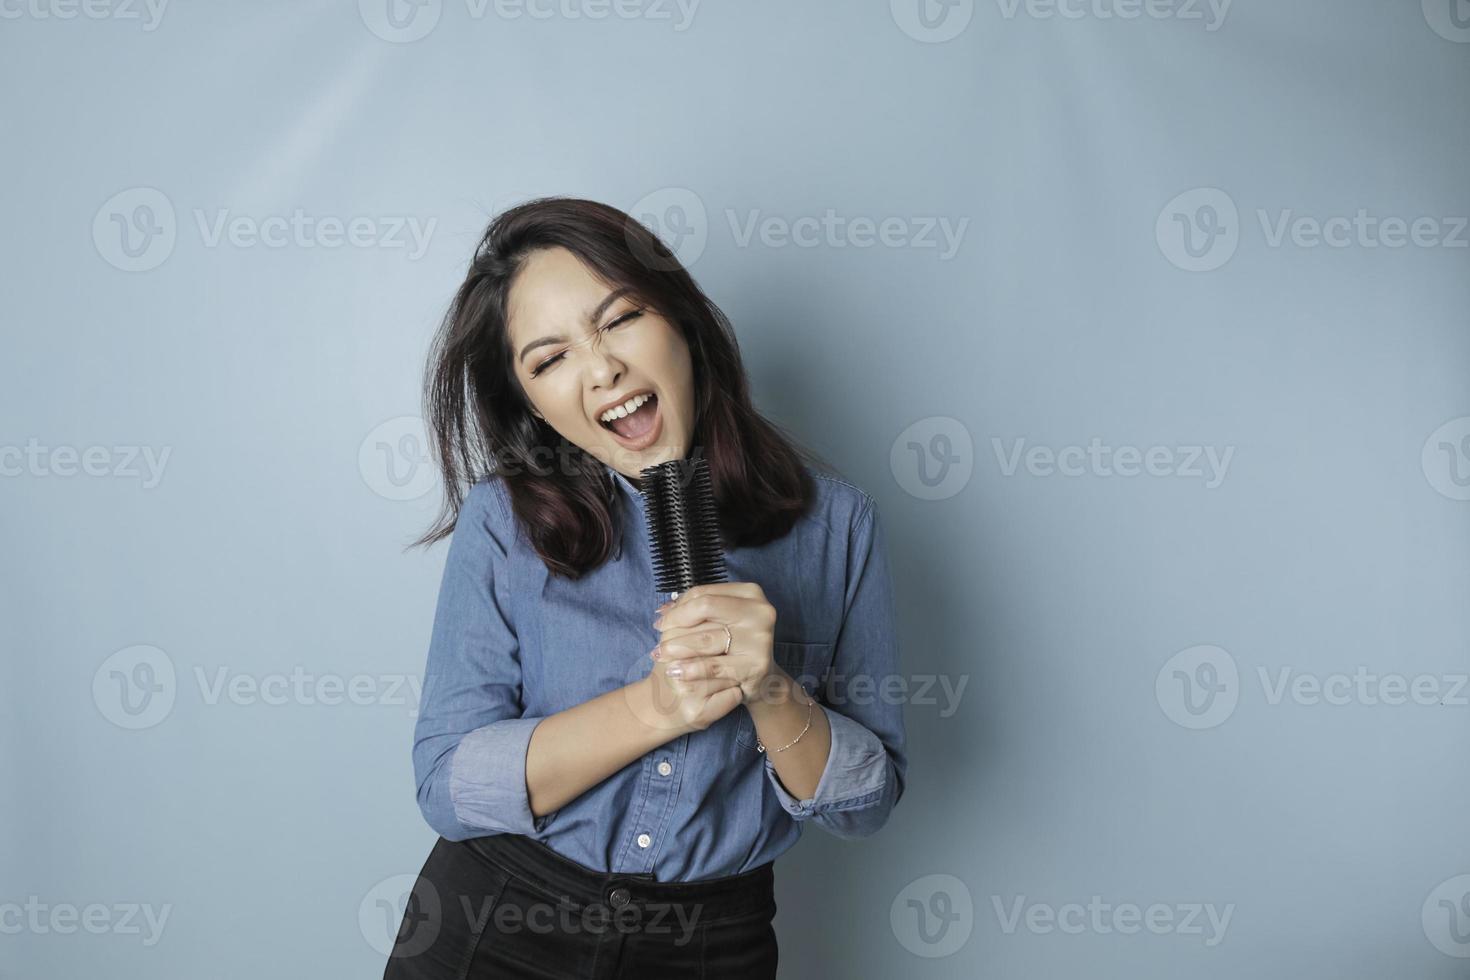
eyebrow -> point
(593, 315)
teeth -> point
(627, 408)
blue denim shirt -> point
(512, 644)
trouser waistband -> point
(736, 896)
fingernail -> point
(674, 670)
(653, 653)
(658, 622)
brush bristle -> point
(683, 525)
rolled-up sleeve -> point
(867, 764)
(471, 736)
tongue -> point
(637, 424)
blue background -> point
(1101, 289)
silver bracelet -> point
(761, 746)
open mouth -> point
(640, 428)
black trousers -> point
(508, 906)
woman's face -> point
(556, 302)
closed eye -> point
(631, 314)
(551, 361)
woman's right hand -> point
(691, 705)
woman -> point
(611, 779)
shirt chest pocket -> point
(809, 664)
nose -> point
(603, 369)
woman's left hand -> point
(692, 634)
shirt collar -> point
(623, 482)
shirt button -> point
(664, 768)
(644, 840)
(619, 897)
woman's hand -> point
(693, 641)
(685, 706)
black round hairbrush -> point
(683, 525)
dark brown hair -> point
(481, 422)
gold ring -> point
(728, 637)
